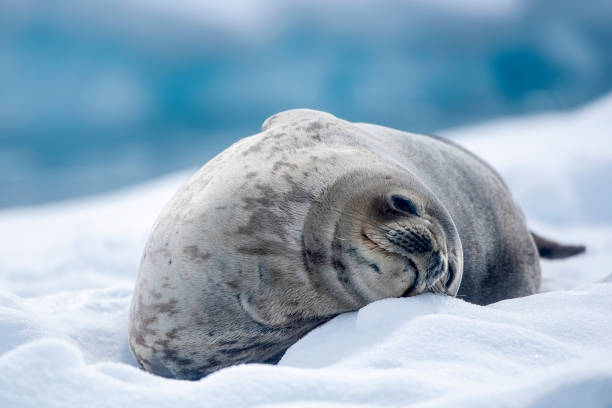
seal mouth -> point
(424, 281)
(381, 249)
(412, 287)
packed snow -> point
(67, 270)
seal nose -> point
(429, 276)
(430, 261)
(435, 268)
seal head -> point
(379, 235)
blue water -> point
(100, 95)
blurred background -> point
(97, 95)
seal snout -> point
(409, 240)
(430, 261)
(440, 273)
(435, 268)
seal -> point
(313, 217)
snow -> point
(67, 270)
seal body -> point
(313, 217)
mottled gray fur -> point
(312, 217)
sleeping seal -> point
(313, 217)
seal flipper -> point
(553, 250)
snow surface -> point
(67, 270)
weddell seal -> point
(313, 217)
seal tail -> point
(550, 249)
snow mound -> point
(67, 270)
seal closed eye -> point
(403, 204)
(313, 217)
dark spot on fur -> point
(164, 343)
(193, 253)
(338, 251)
(233, 284)
(267, 198)
(341, 271)
(314, 126)
(251, 174)
(315, 257)
(273, 150)
(155, 294)
(227, 342)
(260, 250)
(297, 193)
(264, 220)
(168, 307)
(222, 207)
(265, 247)
(184, 361)
(246, 349)
(252, 149)
(267, 190)
(172, 333)
(281, 163)
(139, 328)
(172, 354)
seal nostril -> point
(403, 204)
(450, 276)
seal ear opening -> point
(550, 249)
